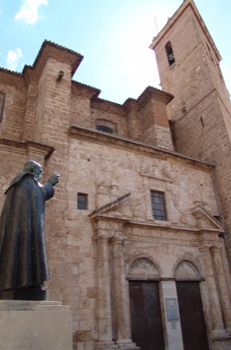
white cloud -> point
(13, 57)
(29, 10)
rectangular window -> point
(82, 201)
(2, 102)
(158, 206)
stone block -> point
(26, 325)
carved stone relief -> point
(186, 269)
(143, 268)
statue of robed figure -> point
(23, 261)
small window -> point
(2, 103)
(82, 201)
(106, 126)
(158, 206)
(169, 52)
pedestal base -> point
(35, 292)
(127, 344)
(26, 325)
(106, 345)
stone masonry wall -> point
(195, 138)
(200, 109)
(13, 86)
(182, 45)
(93, 166)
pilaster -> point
(120, 292)
(218, 330)
(104, 300)
(222, 286)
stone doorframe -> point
(214, 291)
(111, 232)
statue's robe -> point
(23, 259)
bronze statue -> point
(23, 262)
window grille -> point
(158, 206)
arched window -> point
(169, 52)
(106, 126)
(2, 102)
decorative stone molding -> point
(109, 207)
(205, 220)
(192, 261)
(143, 268)
(150, 172)
(82, 133)
(29, 147)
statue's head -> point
(34, 168)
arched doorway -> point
(190, 306)
(146, 321)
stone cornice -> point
(12, 78)
(151, 93)
(57, 52)
(95, 136)
(27, 146)
(202, 216)
(108, 106)
(131, 105)
(84, 90)
(110, 206)
(160, 225)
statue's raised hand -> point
(54, 179)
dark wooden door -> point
(192, 316)
(146, 324)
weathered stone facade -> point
(96, 255)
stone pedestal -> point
(26, 325)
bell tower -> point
(200, 112)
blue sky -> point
(112, 35)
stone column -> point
(104, 299)
(121, 295)
(222, 286)
(214, 303)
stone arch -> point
(186, 268)
(143, 267)
(169, 52)
(106, 126)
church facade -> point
(137, 232)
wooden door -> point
(192, 316)
(146, 323)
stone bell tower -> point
(200, 113)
